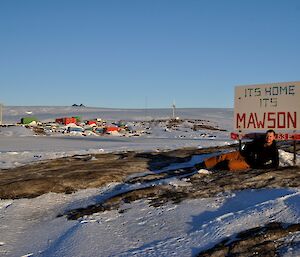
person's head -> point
(270, 136)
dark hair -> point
(271, 131)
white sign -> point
(267, 106)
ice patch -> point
(179, 183)
(204, 171)
(287, 159)
(27, 255)
(5, 203)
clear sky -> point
(144, 53)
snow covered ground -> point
(19, 145)
(30, 227)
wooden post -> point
(295, 155)
(240, 141)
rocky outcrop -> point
(147, 170)
(70, 174)
(198, 186)
(261, 241)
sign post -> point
(295, 156)
(268, 106)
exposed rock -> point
(202, 186)
(66, 175)
(260, 241)
(69, 174)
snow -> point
(30, 227)
(286, 159)
(204, 171)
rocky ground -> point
(69, 174)
(261, 241)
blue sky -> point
(137, 54)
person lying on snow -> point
(260, 153)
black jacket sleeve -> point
(274, 158)
(260, 156)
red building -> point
(91, 122)
(66, 120)
(111, 129)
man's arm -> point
(273, 163)
(276, 158)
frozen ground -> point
(30, 227)
(19, 145)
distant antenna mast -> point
(1, 109)
(174, 109)
(146, 107)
